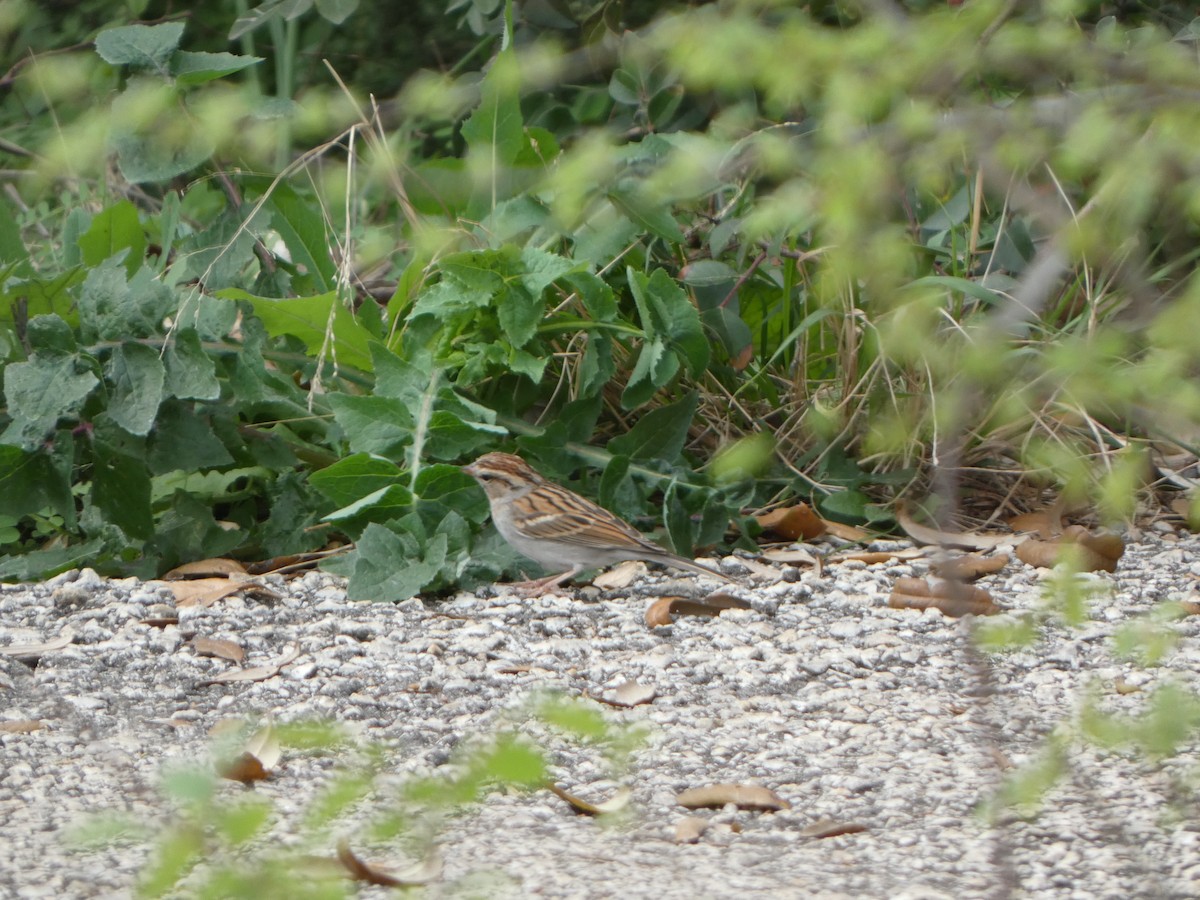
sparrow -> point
(556, 527)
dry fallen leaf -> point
(797, 522)
(689, 828)
(246, 768)
(871, 557)
(218, 648)
(952, 597)
(827, 828)
(761, 570)
(846, 532)
(1094, 551)
(743, 796)
(969, 567)
(203, 568)
(630, 693)
(791, 556)
(257, 673)
(923, 534)
(421, 873)
(617, 802)
(30, 652)
(621, 576)
(21, 726)
(663, 610)
(1046, 523)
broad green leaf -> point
(300, 224)
(121, 484)
(113, 230)
(648, 215)
(113, 309)
(678, 521)
(39, 393)
(35, 296)
(197, 68)
(191, 373)
(310, 320)
(660, 433)
(541, 269)
(336, 11)
(188, 531)
(140, 46)
(50, 335)
(848, 504)
(184, 439)
(961, 285)
(391, 567)
(380, 425)
(135, 376)
(451, 437)
(42, 564)
(283, 10)
(655, 368)
(495, 131)
(449, 487)
(519, 313)
(667, 311)
(31, 483)
(381, 505)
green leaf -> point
(647, 215)
(135, 375)
(50, 335)
(390, 566)
(281, 10)
(302, 228)
(660, 433)
(449, 487)
(495, 131)
(42, 564)
(13, 252)
(655, 368)
(197, 68)
(140, 46)
(678, 521)
(39, 393)
(113, 309)
(191, 373)
(354, 477)
(31, 483)
(380, 425)
(309, 318)
(667, 311)
(188, 531)
(850, 504)
(112, 231)
(121, 483)
(519, 313)
(541, 269)
(336, 11)
(184, 439)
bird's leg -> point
(538, 586)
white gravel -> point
(854, 713)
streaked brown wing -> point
(566, 516)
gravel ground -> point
(866, 719)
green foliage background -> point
(271, 273)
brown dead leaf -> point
(871, 557)
(257, 673)
(203, 568)
(218, 648)
(1094, 551)
(1121, 686)
(1045, 523)
(203, 591)
(246, 768)
(630, 693)
(743, 796)
(264, 744)
(160, 615)
(663, 610)
(923, 534)
(799, 522)
(969, 567)
(21, 726)
(846, 532)
(827, 828)
(414, 876)
(617, 802)
(1189, 607)
(762, 570)
(621, 576)
(792, 556)
(952, 597)
(31, 652)
(689, 828)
